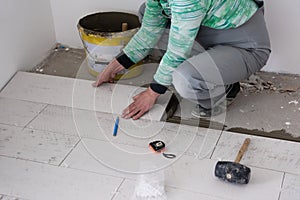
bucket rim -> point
(127, 33)
(89, 31)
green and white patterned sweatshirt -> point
(186, 17)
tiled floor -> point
(51, 150)
(77, 93)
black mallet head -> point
(232, 172)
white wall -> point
(282, 20)
(284, 27)
(66, 14)
(27, 34)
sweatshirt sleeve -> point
(187, 16)
(153, 26)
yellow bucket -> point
(103, 39)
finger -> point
(125, 112)
(97, 82)
(131, 113)
(131, 110)
(128, 110)
(138, 115)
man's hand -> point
(142, 103)
(109, 73)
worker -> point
(211, 46)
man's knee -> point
(262, 57)
(190, 83)
(257, 60)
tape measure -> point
(159, 147)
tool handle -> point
(242, 150)
(124, 27)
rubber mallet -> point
(234, 172)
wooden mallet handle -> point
(242, 150)
(124, 27)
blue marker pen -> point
(116, 127)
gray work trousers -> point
(219, 59)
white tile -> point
(85, 123)
(81, 159)
(35, 145)
(262, 152)
(113, 98)
(37, 181)
(98, 125)
(184, 142)
(204, 144)
(127, 189)
(39, 88)
(291, 187)
(178, 138)
(106, 157)
(18, 113)
(197, 175)
(66, 120)
(77, 93)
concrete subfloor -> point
(268, 104)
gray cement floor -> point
(268, 104)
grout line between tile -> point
(214, 149)
(118, 188)
(49, 131)
(69, 152)
(113, 142)
(196, 192)
(70, 168)
(283, 178)
(274, 170)
(35, 116)
(1, 89)
(99, 173)
(27, 160)
(17, 99)
(17, 126)
(59, 105)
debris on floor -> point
(256, 84)
(59, 46)
(150, 186)
(294, 102)
(62, 61)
